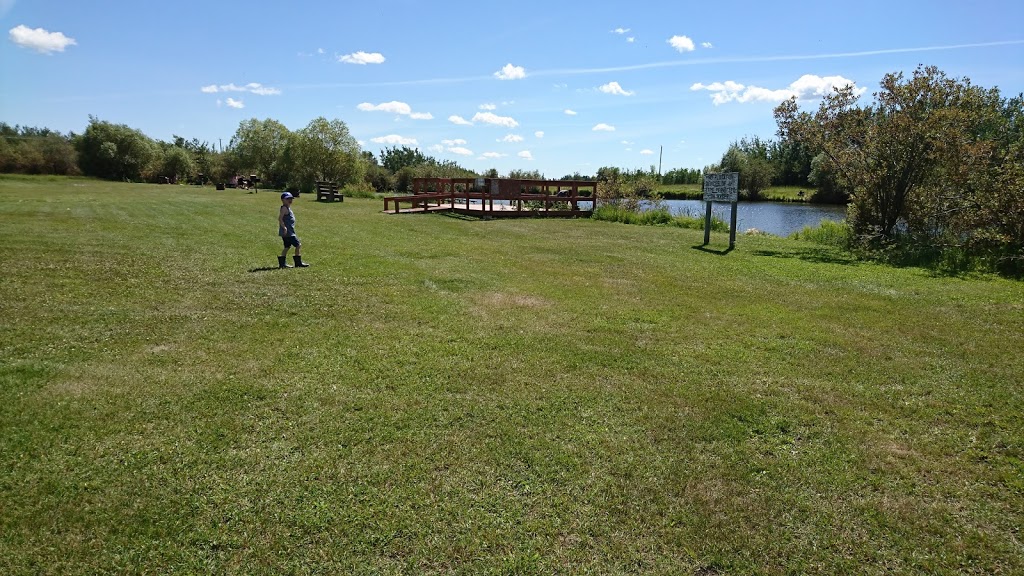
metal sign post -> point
(721, 188)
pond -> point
(778, 218)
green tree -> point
(395, 158)
(749, 157)
(932, 164)
(325, 150)
(177, 163)
(259, 146)
(114, 151)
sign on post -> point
(724, 187)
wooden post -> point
(732, 227)
(707, 224)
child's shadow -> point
(265, 269)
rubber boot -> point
(298, 262)
(281, 262)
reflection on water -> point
(778, 218)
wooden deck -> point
(499, 198)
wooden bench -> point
(328, 191)
(421, 201)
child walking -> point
(286, 230)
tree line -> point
(323, 150)
(932, 168)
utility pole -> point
(661, 149)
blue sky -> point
(554, 86)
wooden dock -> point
(497, 197)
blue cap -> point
(286, 196)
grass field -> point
(775, 193)
(438, 395)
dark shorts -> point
(290, 241)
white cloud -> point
(393, 107)
(525, 155)
(362, 58)
(706, 45)
(647, 152)
(395, 139)
(510, 72)
(603, 128)
(488, 107)
(627, 142)
(570, 112)
(40, 40)
(807, 87)
(682, 43)
(459, 120)
(539, 133)
(455, 142)
(631, 39)
(491, 118)
(511, 138)
(252, 88)
(620, 31)
(320, 51)
(614, 88)
(235, 103)
(460, 151)
(493, 155)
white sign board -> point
(722, 187)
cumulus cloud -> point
(459, 120)
(493, 155)
(570, 112)
(492, 118)
(488, 107)
(614, 88)
(647, 152)
(40, 40)
(511, 138)
(525, 155)
(395, 139)
(231, 102)
(603, 128)
(807, 87)
(510, 72)
(395, 107)
(682, 43)
(455, 142)
(631, 39)
(252, 88)
(362, 58)
(620, 31)
(706, 45)
(461, 151)
(539, 133)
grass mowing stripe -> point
(441, 395)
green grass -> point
(827, 232)
(438, 395)
(775, 193)
(656, 217)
